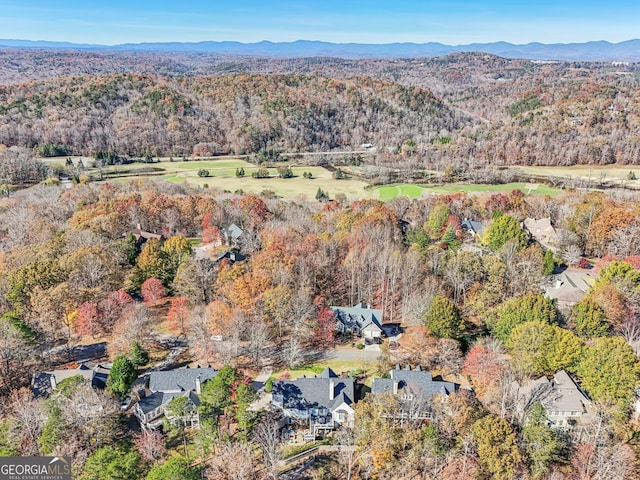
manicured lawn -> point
(337, 366)
(222, 176)
(387, 192)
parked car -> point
(368, 341)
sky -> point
(454, 22)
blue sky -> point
(373, 21)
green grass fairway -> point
(222, 175)
(388, 192)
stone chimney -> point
(395, 386)
(198, 385)
(52, 378)
(332, 389)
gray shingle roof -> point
(417, 380)
(472, 226)
(233, 231)
(565, 394)
(305, 393)
(359, 315)
(41, 382)
(155, 400)
(179, 380)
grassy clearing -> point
(336, 365)
(593, 171)
(222, 176)
(388, 192)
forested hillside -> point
(466, 107)
(134, 115)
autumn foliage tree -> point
(152, 290)
(87, 321)
(178, 314)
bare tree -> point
(151, 444)
(266, 434)
(28, 417)
(232, 461)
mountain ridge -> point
(600, 50)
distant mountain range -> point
(628, 51)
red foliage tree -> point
(212, 235)
(178, 314)
(603, 262)
(88, 320)
(323, 333)
(152, 290)
(112, 306)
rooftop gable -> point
(359, 314)
(419, 381)
(179, 380)
(305, 393)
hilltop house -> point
(362, 321)
(415, 389)
(564, 402)
(157, 389)
(323, 402)
(43, 383)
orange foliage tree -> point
(178, 314)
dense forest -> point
(463, 107)
(134, 115)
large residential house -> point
(323, 402)
(43, 383)
(157, 389)
(569, 287)
(415, 389)
(142, 236)
(359, 320)
(564, 402)
(543, 232)
(232, 234)
(473, 227)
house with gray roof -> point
(323, 402)
(570, 286)
(359, 320)
(43, 383)
(158, 389)
(564, 401)
(232, 234)
(473, 227)
(415, 389)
